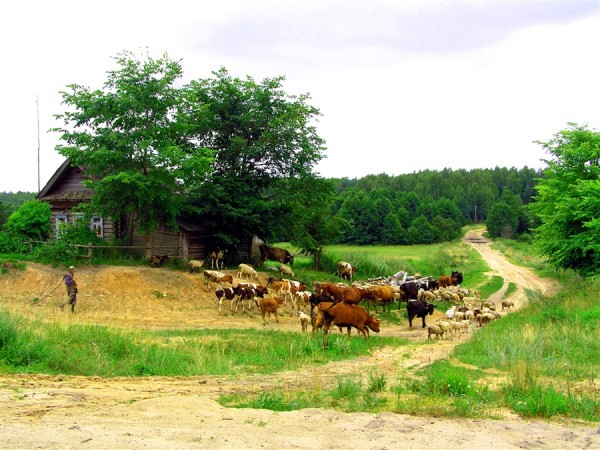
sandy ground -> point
(60, 412)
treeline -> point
(10, 201)
(431, 206)
(418, 208)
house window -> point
(97, 225)
(60, 221)
(76, 217)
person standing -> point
(71, 285)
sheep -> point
(428, 296)
(194, 265)
(456, 326)
(445, 326)
(434, 329)
(450, 313)
(489, 304)
(458, 316)
(507, 304)
(304, 320)
(283, 269)
(484, 318)
(466, 325)
(469, 315)
(248, 271)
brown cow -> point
(343, 315)
(343, 294)
(268, 306)
(445, 281)
(379, 294)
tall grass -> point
(383, 261)
(33, 347)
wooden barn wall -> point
(162, 242)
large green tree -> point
(568, 200)
(265, 145)
(134, 142)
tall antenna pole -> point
(37, 102)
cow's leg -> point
(424, 324)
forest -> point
(418, 208)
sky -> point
(402, 85)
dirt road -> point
(182, 413)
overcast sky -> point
(402, 85)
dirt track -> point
(135, 413)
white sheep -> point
(484, 318)
(248, 271)
(459, 315)
(435, 330)
(445, 326)
(304, 320)
(450, 313)
(194, 265)
(283, 269)
(456, 327)
(466, 325)
(429, 296)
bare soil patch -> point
(53, 412)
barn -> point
(191, 240)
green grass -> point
(32, 347)
(383, 261)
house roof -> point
(82, 194)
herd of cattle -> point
(338, 304)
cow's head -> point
(430, 307)
(373, 323)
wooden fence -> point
(147, 250)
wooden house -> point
(65, 191)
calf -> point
(345, 270)
(217, 257)
(225, 294)
(216, 277)
(268, 306)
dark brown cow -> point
(343, 315)
(275, 254)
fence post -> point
(30, 245)
(89, 252)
